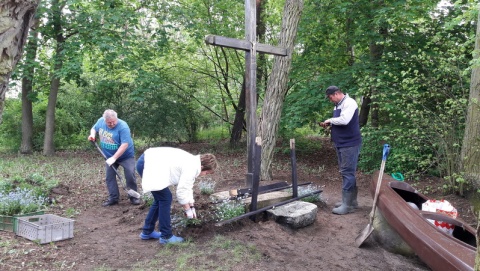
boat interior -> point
(410, 195)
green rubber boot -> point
(346, 207)
(354, 201)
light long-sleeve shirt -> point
(165, 166)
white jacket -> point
(165, 166)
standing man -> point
(117, 145)
(345, 132)
(160, 168)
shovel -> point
(369, 229)
(130, 192)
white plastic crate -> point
(45, 228)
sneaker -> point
(134, 201)
(172, 240)
(153, 235)
(109, 202)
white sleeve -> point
(185, 186)
(346, 115)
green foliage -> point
(229, 209)
(216, 133)
(305, 140)
(148, 61)
(70, 126)
(147, 199)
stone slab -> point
(297, 214)
(268, 199)
(263, 200)
(219, 196)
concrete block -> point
(297, 214)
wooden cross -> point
(251, 47)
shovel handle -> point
(94, 143)
(386, 151)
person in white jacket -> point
(160, 168)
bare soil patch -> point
(107, 237)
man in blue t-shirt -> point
(117, 145)
(348, 142)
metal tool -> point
(130, 192)
(365, 233)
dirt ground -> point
(108, 236)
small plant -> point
(147, 199)
(71, 212)
(207, 187)
(21, 201)
(229, 209)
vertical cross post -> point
(251, 84)
(251, 47)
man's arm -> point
(346, 114)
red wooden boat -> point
(439, 250)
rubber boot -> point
(354, 201)
(346, 207)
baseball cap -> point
(330, 90)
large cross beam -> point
(251, 47)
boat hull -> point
(439, 250)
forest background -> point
(411, 66)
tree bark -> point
(26, 147)
(48, 143)
(277, 86)
(239, 122)
(471, 140)
(16, 17)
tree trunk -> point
(278, 85)
(239, 122)
(471, 140)
(26, 147)
(16, 17)
(48, 143)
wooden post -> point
(250, 46)
(294, 168)
(256, 175)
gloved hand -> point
(91, 137)
(191, 212)
(110, 161)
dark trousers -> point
(160, 209)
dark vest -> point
(346, 135)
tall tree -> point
(26, 146)
(48, 143)
(16, 17)
(277, 86)
(471, 138)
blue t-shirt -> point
(111, 139)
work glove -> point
(110, 161)
(91, 137)
(191, 212)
